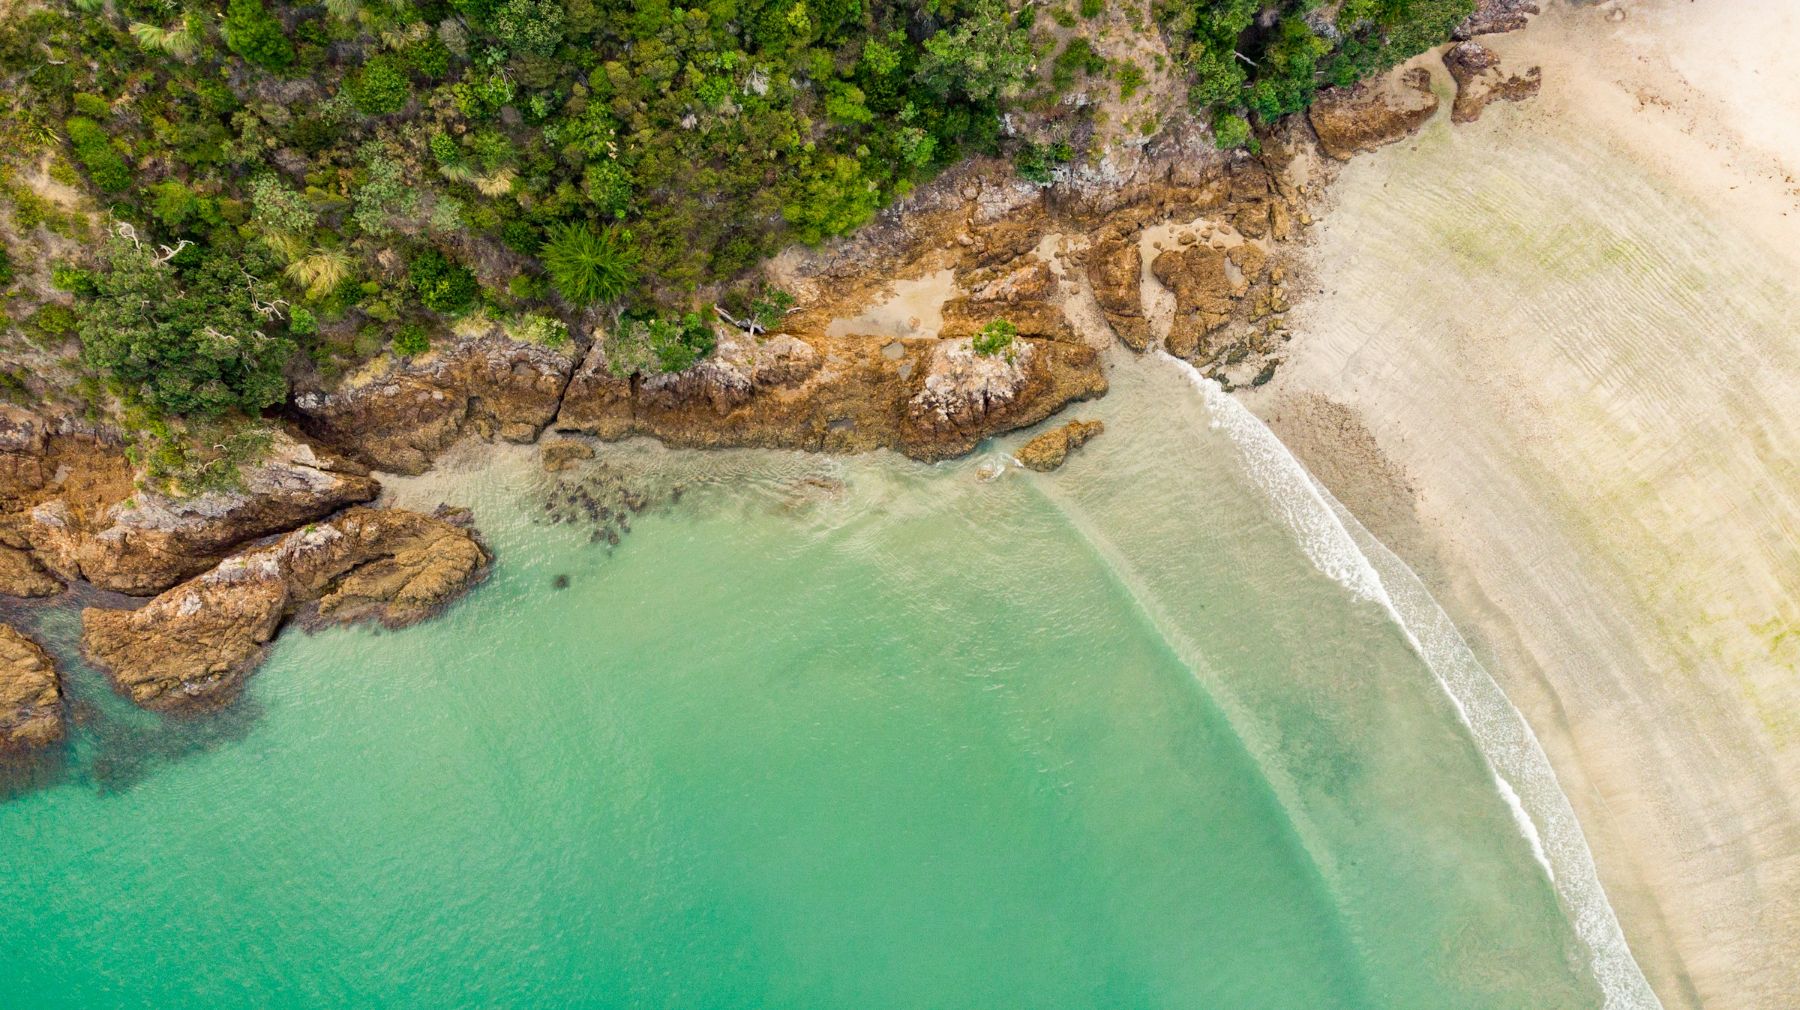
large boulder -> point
(1048, 451)
(920, 396)
(193, 644)
(965, 396)
(31, 713)
(1372, 114)
(1115, 271)
(20, 573)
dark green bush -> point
(253, 33)
(411, 340)
(380, 87)
(443, 286)
(95, 150)
(184, 341)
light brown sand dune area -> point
(1567, 340)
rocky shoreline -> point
(1172, 245)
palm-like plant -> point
(320, 271)
(590, 265)
(496, 183)
(285, 244)
(180, 42)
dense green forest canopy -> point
(372, 170)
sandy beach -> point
(1552, 358)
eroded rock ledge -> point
(193, 644)
(928, 398)
(72, 506)
(398, 415)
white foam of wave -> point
(1339, 546)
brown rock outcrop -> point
(90, 522)
(1373, 113)
(1115, 270)
(1048, 451)
(838, 394)
(31, 712)
(193, 644)
(1021, 291)
(21, 575)
(398, 415)
(1480, 80)
(1492, 17)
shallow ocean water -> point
(823, 733)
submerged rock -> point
(1048, 451)
(195, 642)
(31, 713)
(1480, 80)
(1372, 114)
(563, 453)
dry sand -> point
(1553, 359)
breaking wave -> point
(1340, 547)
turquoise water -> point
(859, 733)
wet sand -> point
(1553, 359)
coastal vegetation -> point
(280, 186)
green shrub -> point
(1131, 78)
(6, 268)
(380, 88)
(253, 33)
(411, 341)
(1230, 130)
(53, 320)
(1078, 57)
(995, 338)
(71, 278)
(649, 343)
(97, 154)
(302, 322)
(1091, 8)
(173, 203)
(92, 105)
(590, 265)
(443, 286)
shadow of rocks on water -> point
(109, 745)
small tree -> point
(590, 265)
(188, 341)
(984, 57)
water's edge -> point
(1344, 550)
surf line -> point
(1344, 550)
